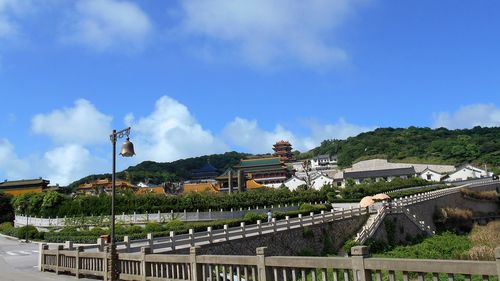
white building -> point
(431, 175)
(321, 180)
(323, 162)
(294, 182)
(468, 172)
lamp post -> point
(127, 151)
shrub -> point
(30, 230)
(175, 225)
(6, 209)
(348, 245)
(152, 227)
(480, 195)
(253, 217)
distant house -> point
(319, 181)
(16, 188)
(104, 185)
(323, 162)
(377, 175)
(431, 175)
(468, 172)
(294, 182)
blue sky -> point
(198, 77)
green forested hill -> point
(477, 145)
(438, 146)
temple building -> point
(204, 173)
(270, 170)
(16, 188)
(104, 185)
(283, 150)
(228, 180)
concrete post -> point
(68, 245)
(79, 249)
(273, 221)
(196, 272)
(100, 244)
(159, 216)
(230, 182)
(210, 214)
(287, 219)
(191, 236)
(497, 257)
(261, 264)
(242, 227)
(150, 240)
(312, 217)
(359, 253)
(172, 240)
(58, 257)
(323, 215)
(226, 232)
(300, 220)
(126, 241)
(135, 217)
(209, 231)
(144, 268)
(259, 226)
(41, 248)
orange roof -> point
(148, 190)
(200, 187)
(252, 184)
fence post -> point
(274, 224)
(150, 240)
(259, 226)
(300, 220)
(287, 219)
(191, 237)
(312, 217)
(209, 214)
(79, 249)
(172, 240)
(145, 270)
(100, 244)
(196, 273)
(159, 216)
(135, 217)
(226, 232)
(359, 253)
(58, 257)
(41, 260)
(261, 264)
(497, 257)
(209, 231)
(126, 241)
(323, 216)
(68, 245)
(242, 227)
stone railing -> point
(134, 218)
(359, 267)
(397, 206)
(211, 236)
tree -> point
(6, 209)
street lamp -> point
(127, 151)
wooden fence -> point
(146, 266)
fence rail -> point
(359, 267)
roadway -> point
(19, 262)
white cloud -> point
(170, 132)
(11, 165)
(248, 135)
(81, 124)
(485, 115)
(9, 10)
(104, 24)
(268, 31)
(70, 162)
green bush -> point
(153, 227)
(348, 245)
(31, 231)
(6, 208)
(253, 217)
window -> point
(429, 177)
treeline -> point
(53, 204)
(157, 173)
(441, 146)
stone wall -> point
(425, 210)
(309, 240)
(403, 229)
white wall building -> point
(323, 162)
(431, 175)
(468, 172)
(294, 182)
(318, 182)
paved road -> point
(18, 262)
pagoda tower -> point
(283, 149)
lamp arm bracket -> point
(120, 134)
